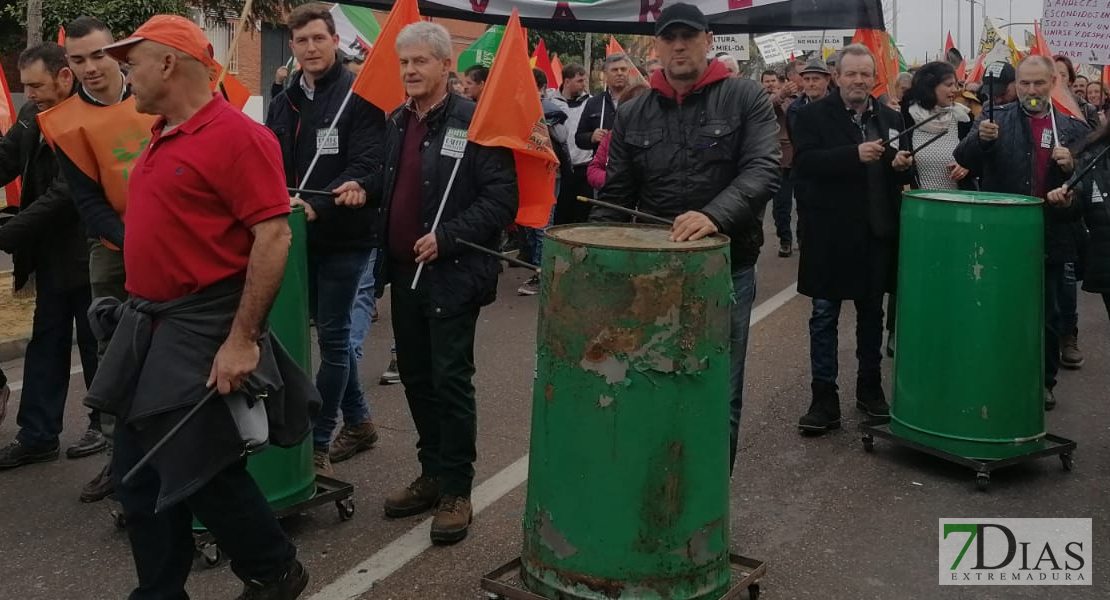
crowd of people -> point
(133, 227)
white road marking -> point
(401, 551)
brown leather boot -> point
(452, 519)
(353, 439)
(418, 497)
(321, 462)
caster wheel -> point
(211, 555)
(345, 508)
(1066, 461)
(868, 443)
(982, 481)
(753, 591)
(119, 520)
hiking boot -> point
(287, 587)
(391, 375)
(530, 287)
(452, 520)
(1070, 356)
(418, 497)
(93, 442)
(353, 439)
(870, 397)
(17, 455)
(786, 249)
(5, 395)
(1049, 400)
(100, 487)
(322, 462)
(824, 409)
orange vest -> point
(102, 141)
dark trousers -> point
(435, 357)
(107, 279)
(823, 342)
(230, 506)
(783, 208)
(567, 207)
(1069, 301)
(1053, 282)
(46, 366)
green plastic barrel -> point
(969, 366)
(628, 472)
(287, 476)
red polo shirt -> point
(193, 196)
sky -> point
(920, 30)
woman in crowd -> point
(933, 92)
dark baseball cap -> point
(682, 14)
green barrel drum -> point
(286, 476)
(969, 367)
(628, 472)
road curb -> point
(14, 348)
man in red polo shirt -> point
(207, 211)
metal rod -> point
(911, 129)
(1080, 174)
(439, 215)
(212, 393)
(629, 211)
(299, 191)
(505, 257)
(927, 143)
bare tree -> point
(34, 22)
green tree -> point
(570, 45)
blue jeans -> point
(1069, 301)
(743, 290)
(333, 283)
(535, 235)
(823, 341)
(354, 406)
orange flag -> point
(1040, 46)
(1105, 74)
(7, 119)
(236, 93)
(613, 47)
(978, 70)
(557, 67)
(886, 58)
(379, 81)
(961, 71)
(509, 115)
(543, 62)
(948, 45)
(62, 36)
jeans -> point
(107, 279)
(435, 357)
(782, 208)
(333, 282)
(743, 289)
(354, 406)
(1069, 302)
(1054, 277)
(823, 343)
(535, 236)
(46, 367)
(230, 506)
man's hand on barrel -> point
(236, 359)
(350, 194)
(902, 161)
(870, 152)
(1061, 196)
(988, 131)
(690, 226)
(426, 248)
(1063, 158)
(309, 212)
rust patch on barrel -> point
(549, 392)
(696, 549)
(663, 496)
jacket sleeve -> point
(758, 172)
(101, 220)
(494, 177)
(39, 218)
(972, 153)
(620, 185)
(11, 163)
(364, 156)
(812, 160)
(595, 172)
(586, 127)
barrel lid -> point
(974, 198)
(622, 236)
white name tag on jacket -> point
(325, 143)
(1046, 138)
(893, 133)
(454, 143)
(1096, 194)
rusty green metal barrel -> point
(286, 476)
(628, 472)
(969, 367)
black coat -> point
(718, 154)
(46, 237)
(482, 203)
(597, 107)
(1006, 166)
(850, 245)
(1091, 198)
(298, 121)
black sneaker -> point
(824, 410)
(100, 487)
(287, 587)
(530, 287)
(93, 442)
(17, 455)
(5, 395)
(786, 249)
(391, 374)
(1049, 399)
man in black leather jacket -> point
(701, 149)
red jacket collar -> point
(716, 72)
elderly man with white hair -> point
(434, 324)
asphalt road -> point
(830, 520)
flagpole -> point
(439, 215)
(234, 42)
(1052, 115)
(327, 134)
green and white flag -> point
(482, 50)
(357, 27)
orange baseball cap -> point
(176, 32)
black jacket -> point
(299, 124)
(717, 153)
(851, 228)
(597, 107)
(482, 202)
(46, 237)
(1091, 198)
(1006, 166)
